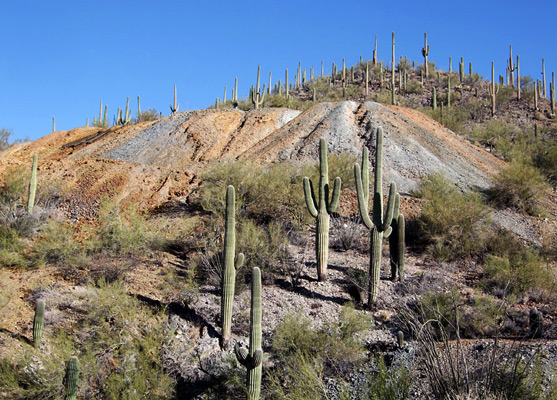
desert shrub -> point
(307, 355)
(492, 132)
(414, 88)
(503, 96)
(519, 185)
(517, 274)
(11, 245)
(454, 223)
(452, 118)
(121, 231)
(148, 115)
(545, 159)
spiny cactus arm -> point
(365, 173)
(310, 197)
(241, 353)
(243, 357)
(362, 203)
(333, 203)
(396, 209)
(390, 210)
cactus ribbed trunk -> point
(374, 265)
(38, 323)
(393, 99)
(229, 269)
(322, 244)
(32, 185)
(72, 377)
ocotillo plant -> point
(231, 263)
(321, 209)
(396, 242)
(71, 378)
(257, 96)
(174, 107)
(32, 185)
(425, 53)
(379, 225)
(252, 358)
(38, 323)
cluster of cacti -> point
(125, 117)
(257, 96)
(175, 106)
(321, 208)
(252, 357)
(231, 263)
(379, 225)
(32, 185)
(38, 323)
(71, 379)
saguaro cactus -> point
(174, 107)
(536, 323)
(375, 52)
(231, 263)
(379, 225)
(425, 53)
(252, 358)
(71, 378)
(257, 96)
(321, 209)
(396, 242)
(32, 185)
(38, 323)
(125, 117)
(393, 98)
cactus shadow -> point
(184, 312)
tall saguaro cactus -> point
(393, 98)
(32, 185)
(38, 323)
(257, 95)
(71, 378)
(379, 225)
(425, 53)
(231, 263)
(321, 208)
(175, 106)
(252, 358)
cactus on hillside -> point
(425, 53)
(393, 98)
(379, 225)
(536, 323)
(175, 106)
(32, 185)
(396, 242)
(375, 52)
(461, 69)
(38, 323)
(252, 358)
(434, 99)
(321, 208)
(492, 90)
(257, 96)
(124, 117)
(511, 67)
(71, 378)
(231, 263)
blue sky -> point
(60, 58)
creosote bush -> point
(519, 185)
(454, 223)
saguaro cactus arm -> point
(363, 196)
(310, 197)
(332, 203)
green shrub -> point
(519, 185)
(517, 274)
(454, 223)
(148, 115)
(452, 118)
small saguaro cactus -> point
(38, 323)
(425, 53)
(32, 185)
(252, 358)
(321, 209)
(231, 263)
(379, 225)
(175, 106)
(400, 339)
(71, 378)
(257, 96)
(125, 117)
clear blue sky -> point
(60, 58)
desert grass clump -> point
(454, 223)
(520, 185)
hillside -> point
(160, 168)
